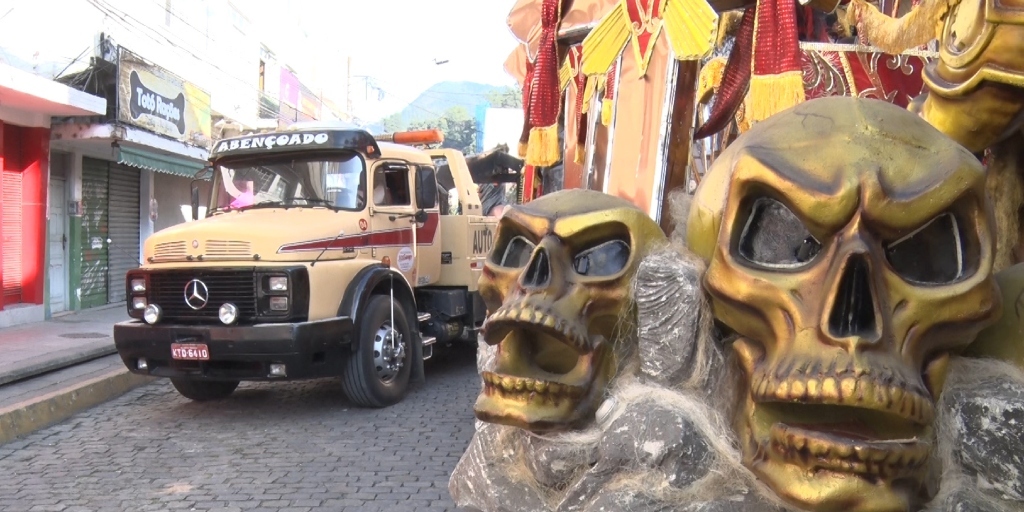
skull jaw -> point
(838, 463)
(518, 394)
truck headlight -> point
(152, 314)
(138, 303)
(138, 285)
(228, 313)
(279, 303)
(278, 284)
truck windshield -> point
(334, 181)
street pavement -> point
(296, 446)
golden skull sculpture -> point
(557, 288)
(849, 253)
(976, 86)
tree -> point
(393, 123)
(459, 128)
(506, 97)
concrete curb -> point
(56, 361)
(40, 412)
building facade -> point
(33, 252)
(160, 82)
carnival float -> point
(782, 272)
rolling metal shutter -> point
(123, 218)
(94, 232)
(11, 230)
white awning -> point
(31, 100)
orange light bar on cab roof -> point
(412, 137)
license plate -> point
(190, 351)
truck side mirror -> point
(426, 188)
(195, 201)
(420, 217)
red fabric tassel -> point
(524, 137)
(735, 80)
(777, 80)
(608, 102)
(545, 96)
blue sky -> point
(393, 44)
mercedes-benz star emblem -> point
(196, 294)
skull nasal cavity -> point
(853, 311)
(538, 274)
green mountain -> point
(435, 101)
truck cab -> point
(325, 252)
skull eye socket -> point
(933, 254)
(516, 254)
(774, 237)
(603, 260)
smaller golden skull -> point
(849, 251)
(556, 286)
(976, 86)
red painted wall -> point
(27, 150)
(35, 181)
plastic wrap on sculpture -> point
(849, 278)
(556, 286)
(844, 285)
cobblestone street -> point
(284, 447)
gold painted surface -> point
(975, 85)
(556, 325)
(1004, 340)
(830, 419)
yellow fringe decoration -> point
(578, 157)
(771, 94)
(565, 74)
(896, 35)
(606, 112)
(605, 42)
(523, 149)
(543, 149)
(588, 94)
(691, 27)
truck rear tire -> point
(377, 373)
(204, 390)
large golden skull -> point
(849, 250)
(557, 288)
(977, 83)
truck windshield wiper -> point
(262, 204)
(316, 200)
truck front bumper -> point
(307, 349)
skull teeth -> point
(889, 459)
(863, 392)
(570, 332)
(509, 384)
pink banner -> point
(289, 91)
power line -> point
(122, 18)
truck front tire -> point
(377, 373)
(204, 390)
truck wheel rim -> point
(388, 352)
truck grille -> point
(167, 290)
(228, 249)
(170, 251)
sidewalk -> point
(51, 370)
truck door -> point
(391, 216)
(428, 232)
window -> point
(333, 181)
(391, 185)
(263, 69)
